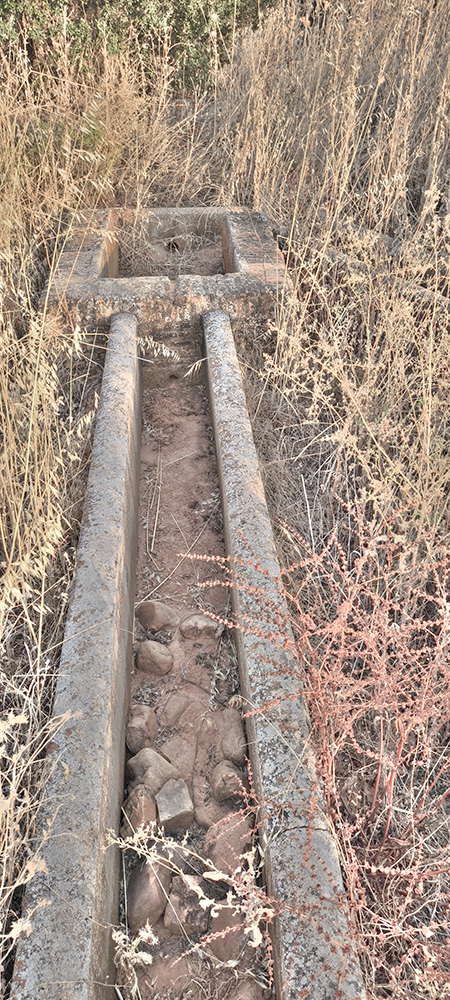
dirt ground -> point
(182, 254)
(180, 518)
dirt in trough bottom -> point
(182, 254)
(179, 517)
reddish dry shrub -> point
(372, 632)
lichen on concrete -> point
(68, 955)
(312, 941)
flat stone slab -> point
(175, 806)
(312, 951)
(69, 953)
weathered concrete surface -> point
(68, 955)
(249, 247)
(88, 252)
(170, 223)
(160, 304)
(312, 947)
(85, 285)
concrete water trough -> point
(86, 280)
(73, 905)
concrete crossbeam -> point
(85, 283)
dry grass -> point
(340, 133)
(48, 402)
(352, 417)
(215, 890)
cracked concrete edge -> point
(162, 305)
(250, 248)
(312, 946)
(85, 283)
(69, 953)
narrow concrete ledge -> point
(162, 305)
(68, 955)
(249, 247)
(313, 954)
(90, 251)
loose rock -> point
(138, 810)
(142, 727)
(176, 704)
(181, 754)
(159, 256)
(183, 913)
(208, 813)
(147, 893)
(185, 706)
(182, 859)
(225, 732)
(155, 616)
(227, 841)
(175, 806)
(153, 658)
(208, 732)
(200, 627)
(149, 768)
(170, 974)
(231, 925)
(207, 810)
(233, 743)
(247, 990)
(226, 781)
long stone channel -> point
(73, 905)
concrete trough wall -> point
(68, 955)
(69, 952)
(170, 223)
(85, 286)
(313, 957)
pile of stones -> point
(187, 789)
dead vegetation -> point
(337, 128)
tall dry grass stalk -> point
(63, 136)
(70, 137)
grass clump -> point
(372, 636)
